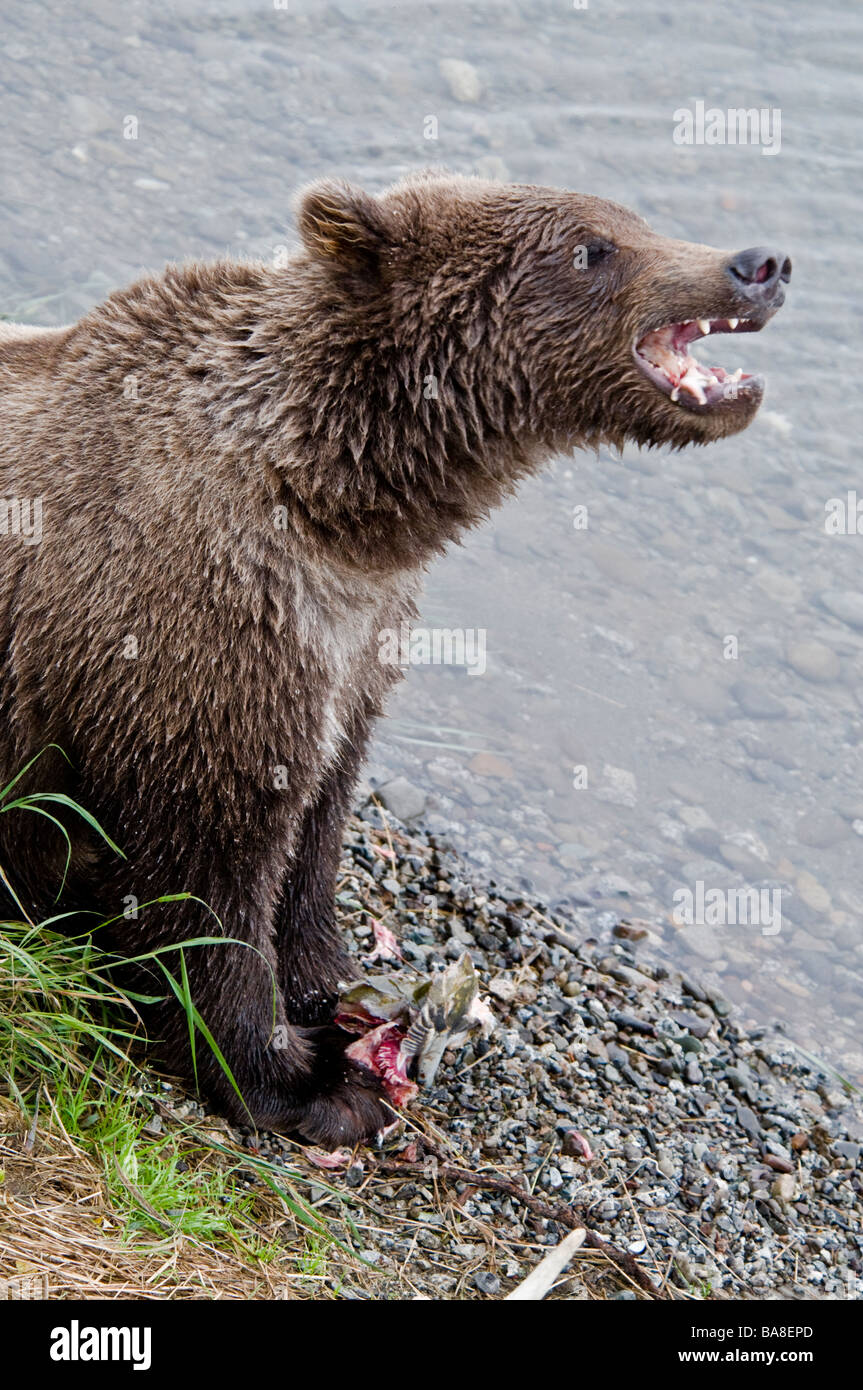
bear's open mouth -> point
(662, 354)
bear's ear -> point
(343, 226)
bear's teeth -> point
(732, 324)
(703, 327)
(691, 383)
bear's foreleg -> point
(312, 958)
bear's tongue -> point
(666, 350)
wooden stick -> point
(559, 1213)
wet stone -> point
(847, 606)
(402, 798)
(756, 702)
(748, 1120)
(814, 661)
(821, 829)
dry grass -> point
(62, 1237)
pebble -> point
(698, 1027)
(462, 79)
(572, 856)
(696, 818)
(490, 765)
(778, 1163)
(845, 605)
(821, 829)
(812, 893)
(741, 858)
(756, 702)
(814, 661)
(403, 799)
(618, 787)
(631, 1023)
(748, 1120)
(784, 1188)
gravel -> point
(718, 1161)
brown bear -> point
(222, 484)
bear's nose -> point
(758, 272)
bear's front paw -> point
(342, 1102)
(350, 1111)
(315, 1093)
(308, 1088)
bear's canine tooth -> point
(732, 323)
(704, 326)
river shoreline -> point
(614, 1093)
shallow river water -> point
(619, 748)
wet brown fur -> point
(243, 469)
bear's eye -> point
(598, 250)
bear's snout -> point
(758, 275)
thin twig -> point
(558, 1212)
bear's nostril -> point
(758, 270)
